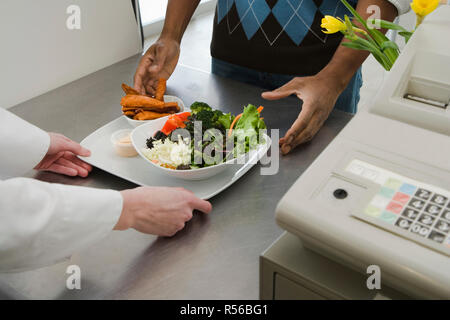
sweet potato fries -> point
(143, 107)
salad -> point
(204, 137)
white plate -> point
(139, 138)
(138, 171)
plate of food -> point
(202, 142)
(114, 151)
(139, 109)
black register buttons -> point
(340, 194)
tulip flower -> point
(332, 24)
(423, 8)
(384, 50)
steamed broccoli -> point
(201, 111)
(207, 117)
(196, 107)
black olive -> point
(159, 135)
(184, 167)
(150, 142)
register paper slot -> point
(428, 92)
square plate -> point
(138, 171)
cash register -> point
(379, 194)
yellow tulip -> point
(424, 7)
(332, 24)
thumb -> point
(76, 148)
(279, 93)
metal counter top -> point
(216, 256)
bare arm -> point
(178, 15)
(320, 92)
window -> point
(153, 12)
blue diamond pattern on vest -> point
(335, 8)
(223, 6)
(252, 13)
(295, 17)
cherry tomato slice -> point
(183, 116)
(169, 126)
(175, 121)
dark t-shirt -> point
(276, 36)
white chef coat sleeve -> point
(22, 145)
(43, 223)
(403, 6)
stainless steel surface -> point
(215, 256)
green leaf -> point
(380, 38)
(250, 119)
(376, 52)
(389, 44)
(349, 25)
(225, 120)
(375, 36)
(386, 24)
(247, 129)
(406, 34)
(354, 45)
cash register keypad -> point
(405, 204)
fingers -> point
(138, 82)
(71, 157)
(305, 135)
(197, 203)
(310, 131)
(61, 169)
(299, 124)
(201, 205)
(75, 148)
(150, 86)
(147, 72)
(79, 170)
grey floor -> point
(195, 53)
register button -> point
(394, 207)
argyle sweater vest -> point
(276, 36)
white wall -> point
(39, 53)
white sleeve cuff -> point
(403, 6)
(22, 145)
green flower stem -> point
(419, 20)
(374, 36)
(372, 48)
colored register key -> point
(394, 207)
(401, 197)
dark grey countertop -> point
(215, 256)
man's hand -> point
(159, 210)
(158, 62)
(61, 157)
(319, 94)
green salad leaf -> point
(225, 119)
(250, 119)
(247, 129)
